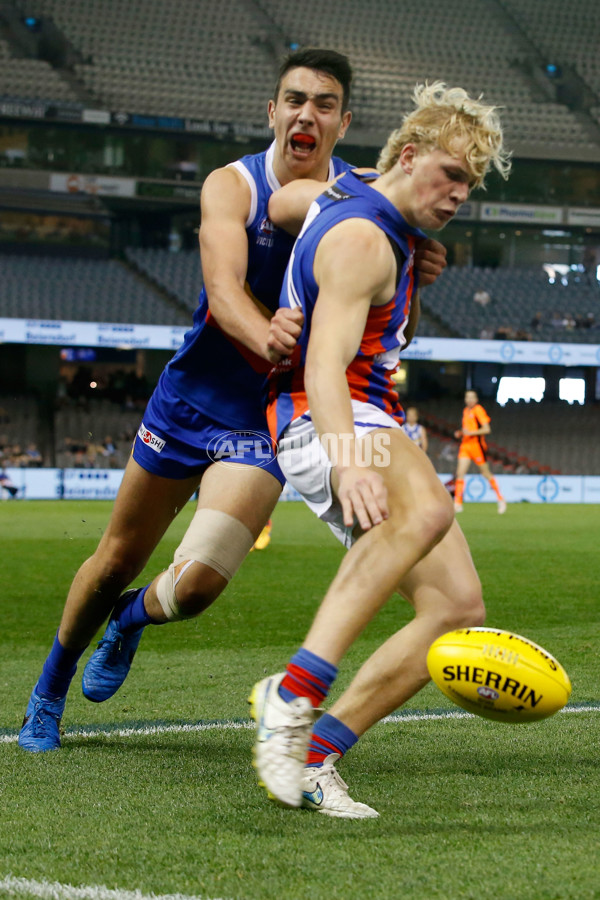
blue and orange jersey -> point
(211, 371)
(472, 419)
(369, 374)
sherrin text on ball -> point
(498, 674)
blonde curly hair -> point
(447, 118)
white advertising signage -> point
(583, 216)
(101, 185)
(521, 212)
(91, 484)
(91, 334)
(170, 337)
(103, 484)
(536, 352)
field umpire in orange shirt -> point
(473, 448)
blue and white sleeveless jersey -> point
(414, 432)
(212, 372)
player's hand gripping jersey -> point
(369, 374)
(212, 372)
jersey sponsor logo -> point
(267, 227)
(151, 440)
(336, 193)
(266, 231)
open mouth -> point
(302, 143)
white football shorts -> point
(307, 467)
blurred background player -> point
(473, 448)
(213, 385)
(413, 428)
(337, 417)
(264, 538)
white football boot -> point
(283, 733)
(325, 791)
(501, 506)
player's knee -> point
(434, 516)
(200, 587)
(116, 566)
(187, 588)
(210, 554)
(467, 609)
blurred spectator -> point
(33, 455)
(536, 322)
(7, 487)
(482, 298)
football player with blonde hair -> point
(447, 118)
(337, 418)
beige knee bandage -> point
(213, 538)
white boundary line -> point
(230, 725)
(54, 890)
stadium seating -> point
(547, 437)
(569, 312)
(191, 59)
(81, 290)
(31, 79)
(19, 423)
(180, 274)
(79, 434)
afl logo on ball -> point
(487, 693)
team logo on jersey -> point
(151, 440)
(267, 227)
(336, 193)
(251, 447)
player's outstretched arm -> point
(289, 205)
(354, 267)
(225, 204)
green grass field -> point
(143, 798)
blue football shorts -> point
(175, 440)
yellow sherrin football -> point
(498, 674)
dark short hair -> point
(329, 61)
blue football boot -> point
(108, 666)
(41, 725)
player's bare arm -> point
(289, 205)
(363, 275)
(225, 205)
(483, 429)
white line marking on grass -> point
(130, 731)
(54, 890)
(417, 715)
(420, 715)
